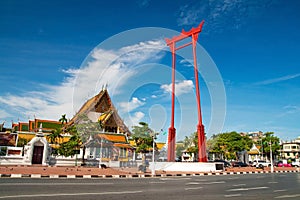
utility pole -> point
(271, 157)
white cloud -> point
(136, 118)
(182, 87)
(187, 62)
(221, 15)
(130, 106)
(4, 114)
(276, 80)
(102, 67)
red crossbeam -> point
(185, 34)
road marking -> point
(194, 188)
(193, 183)
(174, 179)
(217, 182)
(279, 190)
(232, 195)
(239, 185)
(54, 183)
(245, 189)
(155, 182)
(233, 178)
(67, 194)
(288, 196)
(273, 182)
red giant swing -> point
(193, 34)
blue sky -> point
(54, 55)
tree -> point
(86, 127)
(141, 136)
(266, 140)
(63, 120)
(21, 143)
(71, 147)
(54, 136)
(229, 144)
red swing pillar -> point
(193, 33)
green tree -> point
(86, 127)
(275, 146)
(179, 148)
(229, 144)
(71, 147)
(21, 143)
(54, 139)
(142, 137)
(54, 136)
(63, 120)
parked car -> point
(295, 163)
(226, 164)
(261, 163)
(239, 164)
(283, 163)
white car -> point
(261, 163)
(295, 163)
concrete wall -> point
(187, 166)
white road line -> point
(192, 183)
(245, 189)
(232, 195)
(194, 188)
(239, 185)
(279, 190)
(174, 179)
(210, 183)
(272, 182)
(54, 184)
(233, 178)
(156, 182)
(288, 196)
(66, 194)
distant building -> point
(290, 150)
(254, 136)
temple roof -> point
(102, 107)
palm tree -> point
(55, 134)
(63, 120)
(53, 137)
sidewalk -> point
(93, 172)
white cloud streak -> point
(276, 80)
(221, 15)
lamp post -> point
(100, 159)
(153, 135)
(153, 151)
(272, 167)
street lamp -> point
(153, 135)
(153, 151)
(272, 167)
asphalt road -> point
(247, 186)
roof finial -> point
(40, 133)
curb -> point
(55, 176)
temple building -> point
(104, 138)
(104, 133)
